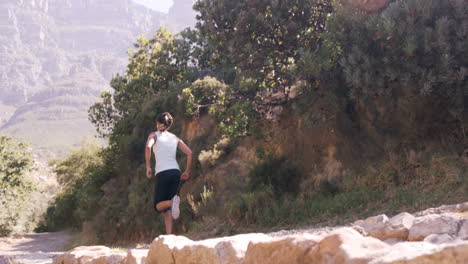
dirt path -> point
(32, 248)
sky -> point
(159, 5)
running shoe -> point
(175, 206)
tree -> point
(15, 161)
(80, 175)
(153, 66)
(260, 39)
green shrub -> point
(81, 174)
(15, 162)
(412, 43)
(208, 93)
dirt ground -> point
(32, 248)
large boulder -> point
(374, 226)
(91, 255)
(433, 224)
(396, 228)
(399, 226)
(346, 245)
(425, 253)
(172, 249)
(439, 238)
(463, 232)
(136, 256)
(288, 249)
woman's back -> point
(165, 151)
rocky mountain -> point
(57, 56)
(180, 15)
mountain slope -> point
(57, 56)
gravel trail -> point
(32, 248)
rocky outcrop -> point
(177, 249)
(444, 235)
(136, 256)
(447, 220)
(433, 224)
(463, 232)
(383, 228)
(425, 253)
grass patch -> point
(264, 209)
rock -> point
(383, 228)
(289, 249)
(177, 249)
(91, 255)
(393, 241)
(374, 226)
(425, 253)
(367, 5)
(463, 207)
(398, 226)
(433, 224)
(346, 246)
(438, 239)
(359, 228)
(463, 232)
(137, 256)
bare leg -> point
(168, 222)
(161, 206)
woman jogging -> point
(167, 170)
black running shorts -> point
(167, 183)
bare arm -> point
(187, 152)
(149, 144)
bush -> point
(81, 174)
(15, 161)
(208, 93)
(414, 43)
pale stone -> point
(160, 251)
(438, 239)
(463, 232)
(359, 228)
(288, 249)
(91, 255)
(393, 241)
(374, 226)
(398, 226)
(177, 249)
(463, 207)
(383, 228)
(346, 246)
(433, 224)
(425, 253)
(137, 256)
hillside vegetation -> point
(298, 112)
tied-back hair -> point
(166, 120)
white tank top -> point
(165, 151)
